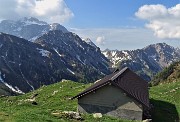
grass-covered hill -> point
(46, 101)
(169, 74)
(166, 102)
(165, 94)
(38, 106)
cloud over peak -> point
(100, 40)
(48, 10)
(164, 22)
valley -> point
(40, 72)
(29, 60)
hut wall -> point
(111, 101)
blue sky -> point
(93, 17)
(109, 13)
(113, 24)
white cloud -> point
(100, 40)
(47, 10)
(119, 38)
(164, 22)
(151, 12)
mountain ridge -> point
(150, 59)
(26, 66)
(29, 28)
(67, 55)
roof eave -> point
(91, 90)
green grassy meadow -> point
(52, 98)
(56, 98)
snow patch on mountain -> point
(113, 53)
(70, 71)
(105, 53)
(16, 89)
(43, 52)
(115, 57)
(1, 77)
(57, 52)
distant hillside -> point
(147, 61)
(26, 66)
(169, 74)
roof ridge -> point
(119, 73)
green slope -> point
(166, 101)
(169, 74)
(52, 98)
(166, 95)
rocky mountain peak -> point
(88, 41)
(29, 28)
(71, 46)
(57, 26)
(25, 65)
(146, 61)
(160, 47)
(31, 20)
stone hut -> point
(122, 94)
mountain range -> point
(35, 53)
(53, 56)
(29, 28)
(147, 61)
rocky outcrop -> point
(68, 115)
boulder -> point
(33, 96)
(147, 120)
(68, 114)
(97, 115)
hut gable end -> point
(110, 96)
